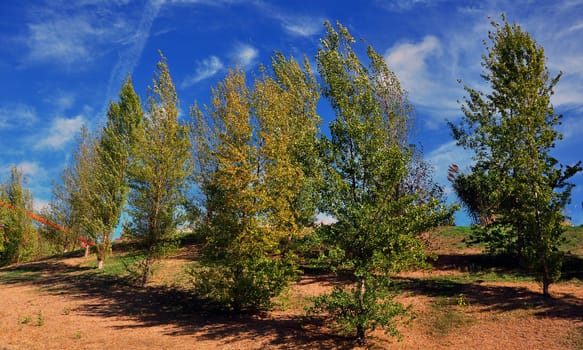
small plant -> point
(462, 301)
(40, 319)
(66, 311)
(26, 320)
(77, 335)
(445, 316)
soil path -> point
(58, 304)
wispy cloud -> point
(445, 155)
(129, 57)
(430, 82)
(61, 131)
(297, 25)
(404, 5)
(409, 60)
(245, 55)
(303, 26)
(204, 69)
(79, 35)
(16, 115)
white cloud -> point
(410, 60)
(17, 115)
(130, 56)
(445, 155)
(404, 5)
(61, 132)
(245, 55)
(305, 26)
(572, 127)
(72, 35)
(205, 69)
(324, 219)
(29, 168)
(429, 80)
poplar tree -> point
(254, 150)
(159, 171)
(366, 163)
(512, 129)
(113, 154)
(20, 241)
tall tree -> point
(61, 210)
(159, 171)
(367, 160)
(512, 130)
(113, 154)
(80, 181)
(20, 241)
(254, 151)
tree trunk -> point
(360, 335)
(86, 250)
(99, 264)
(360, 328)
(546, 282)
(146, 269)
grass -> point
(573, 240)
(19, 274)
(447, 314)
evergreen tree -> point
(367, 160)
(159, 171)
(512, 130)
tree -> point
(512, 130)
(113, 154)
(159, 171)
(20, 237)
(62, 210)
(254, 152)
(367, 162)
(80, 182)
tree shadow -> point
(498, 298)
(111, 296)
(572, 268)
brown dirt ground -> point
(66, 305)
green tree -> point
(84, 180)
(20, 237)
(512, 130)
(113, 154)
(254, 151)
(61, 210)
(367, 160)
(159, 171)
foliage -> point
(367, 161)
(113, 155)
(474, 191)
(19, 239)
(159, 171)
(255, 154)
(512, 131)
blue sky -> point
(61, 62)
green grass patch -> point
(454, 231)
(18, 275)
(573, 241)
(448, 314)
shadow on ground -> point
(110, 296)
(496, 298)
